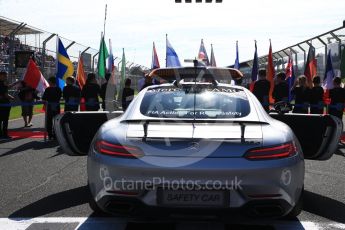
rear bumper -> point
(267, 188)
(131, 207)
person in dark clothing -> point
(52, 96)
(238, 81)
(112, 90)
(316, 97)
(4, 107)
(71, 95)
(148, 82)
(281, 89)
(91, 92)
(302, 95)
(337, 96)
(127, 94)
(261, 89)
(27, 95)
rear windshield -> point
(201, 101)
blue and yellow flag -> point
(64, 65)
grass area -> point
(16, 112)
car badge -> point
(194, 146)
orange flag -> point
(311, 66)
(81, 78)
(270, 73)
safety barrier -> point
(338, 107)
(51, 104)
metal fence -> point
(18, 36)
(333, 40)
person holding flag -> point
(52, 96)
(32, 83)
(337, 96)
(302, 95)
(27, 96)
(127, 94)
(316, 97)
(91, 93)
(147, 82)
(71, 95)
(281, 89)
(261, 89)
(4, 107)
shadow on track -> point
(324, 206)
(35, 145)
(53, 203)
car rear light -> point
(272, 152)
(106, 148)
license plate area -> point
(193, 198)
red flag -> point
(328, 79)
(81, 78)
(34, 78)
(310, 67)
(155, 61)
(290, 75)
(270, 73)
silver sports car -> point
(196, 146)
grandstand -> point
(18, 41)
(9, 43)
(13, 42)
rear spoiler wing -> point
(205, 73)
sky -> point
(135, 24)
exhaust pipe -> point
(266, 211)
(119, 207)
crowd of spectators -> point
(19, 46)
(4, 53)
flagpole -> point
(105, 18)
(166, 46)
(153, 53)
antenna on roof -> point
(197, 62)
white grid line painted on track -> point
(120, 224)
